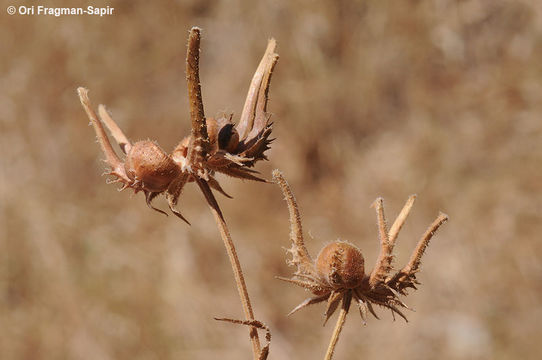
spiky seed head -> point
(341, 265)
(150, 167)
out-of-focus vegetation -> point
(439, 98)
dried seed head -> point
(340, 264)
(150, 167)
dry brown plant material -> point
(214, 145)
(264, 353)
(337, 276)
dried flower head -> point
(212, 146)
(338, 275)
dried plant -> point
(212, 146)
(264, 353)
(338, 276)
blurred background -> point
(439, 98)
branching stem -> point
(235, 264)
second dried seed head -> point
(338, 273)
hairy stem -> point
(383, 264)
(117, 166)
(301, 257)
(200, 138)
(235, 264)
(416, 257)
(339, 326)
(197, 152)
(110, 154)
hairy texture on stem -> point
(111, 158)
(406, 277)
(300, 256)
(416, 257)
(110, 154)
(383, 263)
(200, 138)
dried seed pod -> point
(341, 265)
(228, 138)
(150, 167)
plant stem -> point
(416, 257)
(235, 264)
(239, 279)
(339, 326)
(299, 249)
(200, 138)
(197, 152)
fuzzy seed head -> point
(150, 166)
(341, 265)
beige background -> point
(439, 98)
